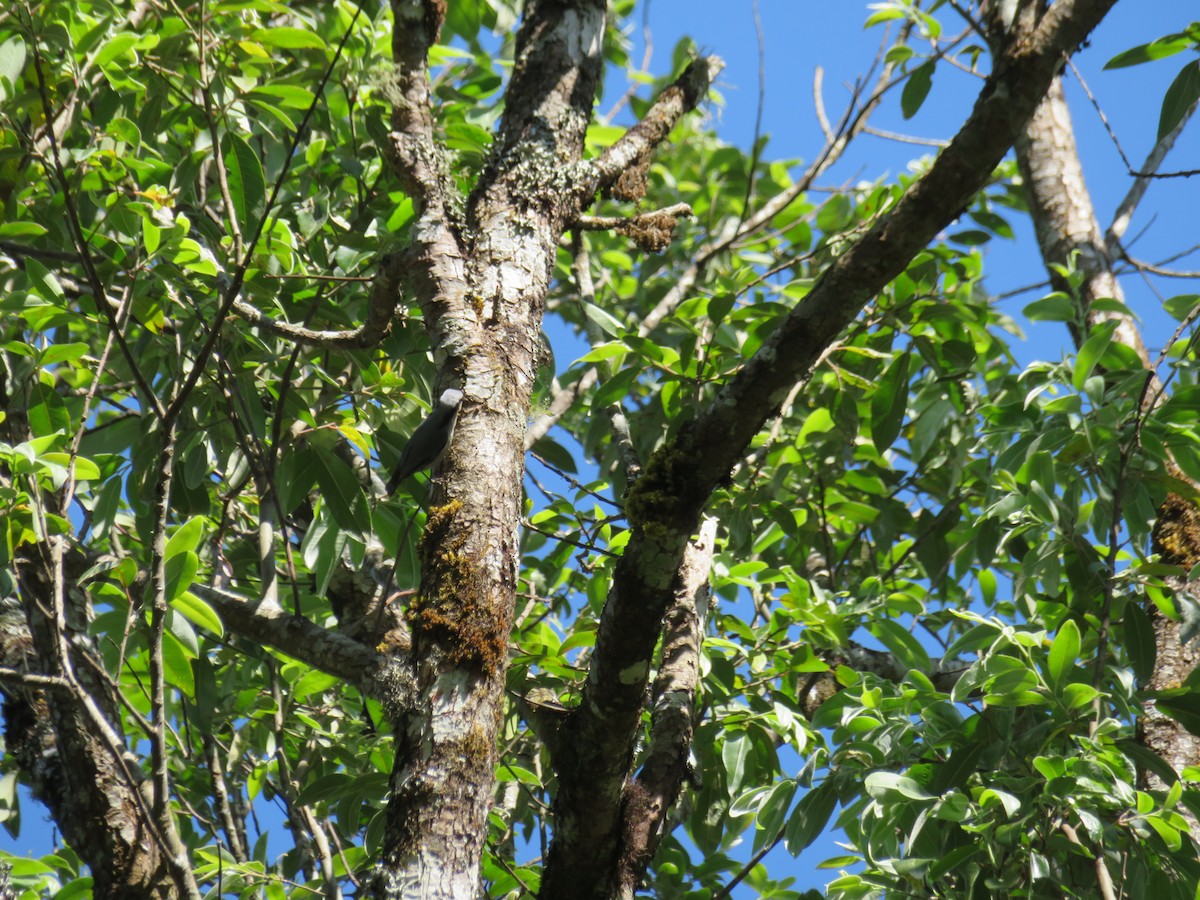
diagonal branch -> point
(563, 398)
(665, 505)
(634, 148)
(385, 297)
(297, 637)
(413, 152)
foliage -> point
(986, 525)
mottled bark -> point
(650, 796)
(482, 281)
(1064, 219)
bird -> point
(430, 440)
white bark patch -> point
(583, 35)
(515, 278)
(448, 699)
(635, 674)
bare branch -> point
(385, 297)
(30, 679)
(608, 223)
(819, 104)
(297, 637)
(635, 147)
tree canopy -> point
(792, 546)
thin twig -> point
(906, 138)
(607, 223)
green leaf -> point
(773, 812)
(1053, 307)
(186, 537)
(1064, 652)
(118, 45)
(734, 753)
(810, 817)
(1077, 695)
(324, 788)
(312, 682)
(43, 281)
(177, 665)
(85, 469)
(604, 320)
(1183, 707)
(12, 63)
(1139, 641)
(889, 403)
(1157, 49)
(104, 510)
(195, 258)
(25, 229)
(601, 352)
(993, 222)
(198, 612)
(151, 235)
(819, 421)
(292, 96)
(1183, 92)
(47, 413)
(1171, 835)
(835, 214)
(615, 389)
(247, 187)
(1091, 352)
(900, 641)
(916, 89)
(295, 476)
(341, 492)
(289, 38)
(883, 15)
(125, 130)
(181, 573)
(886, 785)
(68, 352)
(1181, 305)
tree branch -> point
(634, 148)
(325, 650)
(649, 797)
(385, 297)
(562, 399)
(665, 505)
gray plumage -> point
(430, 440)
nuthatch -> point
(430, 440)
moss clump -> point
(659, 500)
(453, 608)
